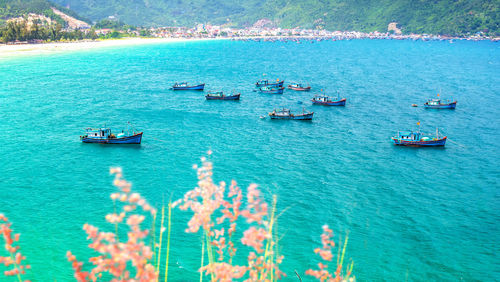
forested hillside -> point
(454, 17)
(419, 16)
(17, 8)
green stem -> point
(161, 236)
(16, 266)
(202, 255)
(168, 237)
(210, 254)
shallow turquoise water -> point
(412, 214)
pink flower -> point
(326, 254)
(115, 196)
(135, 219)
(254, 237)
(134, 198)
(115, 170)
(15, 258)
(115, 257)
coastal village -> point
(276, 33)
(264, 30)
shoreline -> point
(7, 50)
(47, 48)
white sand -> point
(35, 49)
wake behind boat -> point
(220, 96)
(286, 114)
(105, 136)
(186, 86)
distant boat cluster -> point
(265, 86)
(351, 36)
(276, 87)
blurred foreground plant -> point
(326, 254)
(15, 258)
(116, 256)
(216, 212)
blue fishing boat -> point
(286, 114)
(272, 90)
(220, 96)
(327, 101)
(265, 82)
(186, 86)
(298, 87)
(105, 136)
(440, 104)
(417, 139)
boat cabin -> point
(282, 113)
(434, 102)
(216, 94)
(264, 82)
(100, 133)
(322, 99)
(182, 84)
(409, 135)
(438, 102)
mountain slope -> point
(420, 16)
(18, 8)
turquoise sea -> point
(412, 214)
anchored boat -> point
(298, 87)
(417, 139)
(220, 96)
(440, 104)
(327, 101)
(286, 114)
(105, 136)
(186, 86)
(272, 90)
(265, 82)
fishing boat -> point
(272, 90)
(220, 96)
(418, 139)
(105, 136)
(265, 82)
(440, 104)
(286, 114)
(298, 87)
(186, 86)
(328, 101)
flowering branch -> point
(116, 256)
(325, 252)
(15, 258)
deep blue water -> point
(411, 214)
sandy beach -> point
(44, 48)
